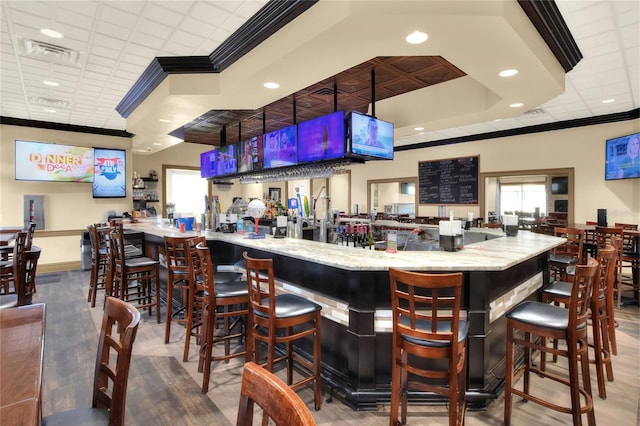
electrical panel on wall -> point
(34, 210)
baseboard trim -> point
(59, 267)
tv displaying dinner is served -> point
(51, 162)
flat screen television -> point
(53, 162)
(227, 160)
(280, 148)
(560, 185)
(321, 138)
(208, 164)
(251, 155)
(622, 157)
(110, 173)
(369, 137)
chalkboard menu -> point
(451, 181)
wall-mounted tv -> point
(280, 148)
(208, 164)
(370, 137)
(251, 155)
(622, 157)
(52, 162)
(227, 160)
(110, 173)
(321, 138)
(560, 185)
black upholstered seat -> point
(441, 327)
(290, 305)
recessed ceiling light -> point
(608, 101)
(416, 37)
(51, 83)
(49, 110)
(498, 119)
(508, 73)
(516, 105)
(418, 128)
(51, 33)
(140, 150)
(271, 85)
(164, 120)
(157, 144)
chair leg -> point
(404, 389)
(317, 349)
(289, 346)
(596, 326)
(188, 326)
(208, 350)
(395, 386)
(508, 376)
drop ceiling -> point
(109, 44)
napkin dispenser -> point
(510, 222)
(281, 227)
(450, 235)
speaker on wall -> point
(602, 217)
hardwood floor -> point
(164, 390)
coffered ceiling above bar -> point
(450, 80)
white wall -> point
(70, 206)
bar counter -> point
(352, 285)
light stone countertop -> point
(497, 254)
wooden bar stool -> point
(226, 302)
(560, 292)
(568, 254)
(426, 324)
(547, 321)
(136, 280)
(99, 259)
(281, 319)
(176, 250)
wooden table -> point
(8, 233)
(21, 360)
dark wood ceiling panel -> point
(393, 76)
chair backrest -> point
(25, 274)
(627, 226)
(20, 243)
(275, 397)
(206, 268)
(195, 264)
(261, 286)
(426, 306)
(581, 293)
(604, 234)
(573, 246)
(116, 242)
(31, 229)
(607, 260)
(177, 253)
(119, 327)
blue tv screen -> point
(370, 137)
(251, 155)
(321, 138)
(280, 148)
(110, 173)
(208, 164)
(227, 161)
(622, 157)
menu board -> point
(450, 181)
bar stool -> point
(99, 258)
(227, 302)
(560, 292)
(553, 322)
(568, 254)
(272, 320)
(133, 277)
(176, 250)
(426, 324)
(7, 267)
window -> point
(522, 198)
(186, 190)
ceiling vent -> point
(48, 52)
(326, 91)
(48, 102)
(534, 111)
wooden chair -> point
(226, 303)
(135, 280)
(566, 255)
(278, 401)
(24, 278)
(99, 258)
(603, 237)
(531, 319)
(119, 327)
(629, 260)
(7, 267)
(177, 251)
(281, 319)
(426, 324)
(560, 292)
